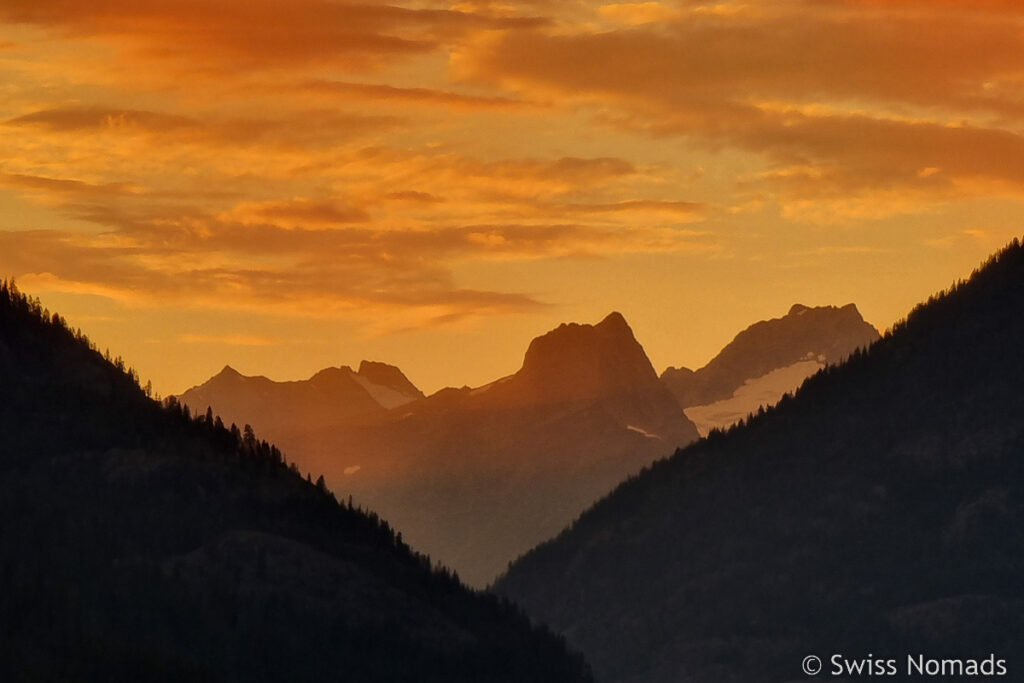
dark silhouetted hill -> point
(878, 512)
(141, 543)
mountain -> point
(591, 366)
(138, 543)
(877, 513)
(766, 360)
(477, 476)
(330, 397)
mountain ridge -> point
(329, 396)
(828, 333)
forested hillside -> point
(141, 543)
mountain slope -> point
(824, 334)
(139, 543)
(760, 392)
(878, 512)
(476, 477)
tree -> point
(249, 438)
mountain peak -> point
(586, 361)
(615, 320)
(827, 334)
(848, 311)
(228, 371)
(389, 376)
(798, 309)
(331, 374)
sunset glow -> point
(288, 186)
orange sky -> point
(284, 186)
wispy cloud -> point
(866, 93)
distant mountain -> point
(140, 543)
(330, 397)
(766, 360)
(477, 476)
(878, 513)
(593, 365)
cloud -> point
(296, 213)
(350, 271)
(422, 96)
(298, 129)
(64, 186)
(633, 13)
(144, 275)
(523, 178)
(258, 34)
(79, 119)
(414, 196)
(680, 210)
(869, 94)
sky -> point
(286, 186)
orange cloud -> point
(298, 129)
(389, 93)
(297, 213)
(679, 209)
(77, 119)
(638, 12)
(893, 90)
(209, 263)
(64, 186)
(255, 34)
(414, 196)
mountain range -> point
(476, 476)
(141, 543)
(877, 514)
(331, 397)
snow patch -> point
(386, 397)
(644, 432)
(765, 390)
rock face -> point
(477, 476)
(599, 366)
(138, 543)
(578, 362)
(766, 360)
(383, 376)
(878, 511)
